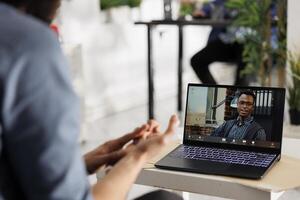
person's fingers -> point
(118, 143)
(153, 129)
(153, 125)
(173, 123)
(156, 142)
(157, 130)
(138, 132)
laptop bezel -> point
(229, 145)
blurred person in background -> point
(221, 46)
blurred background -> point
(114, 53)
(113, 57)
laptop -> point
(229, 130)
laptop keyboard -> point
(224, 155)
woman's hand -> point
(112, 151)
(155, 142)
(123, 174)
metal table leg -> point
(150, 74)
(180, 71)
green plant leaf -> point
(106, 4)
(294, 88)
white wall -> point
(293, 25)
(114, 54)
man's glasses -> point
(245, 103)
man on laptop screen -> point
(244, 126)
(229, 130)
(235, 115)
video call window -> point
(241, 116)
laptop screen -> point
(248, 116)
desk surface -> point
(283, 176)
(204, 22)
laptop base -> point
(215, 168)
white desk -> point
(283, 176)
